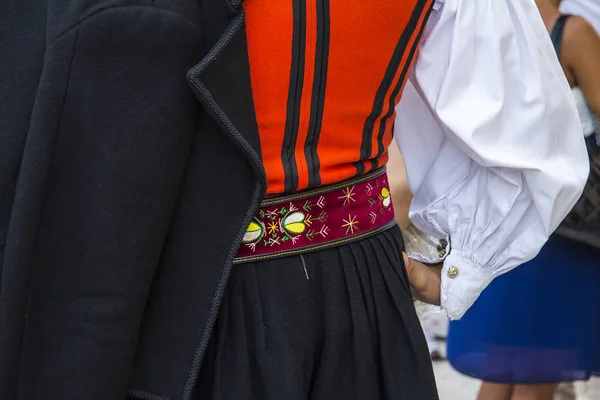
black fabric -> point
(334, 324)
(114, 193)
(221, 82)
(21, 49)
(106, 150)
(130, 167)
(557, 32)
(583, 222)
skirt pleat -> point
(334, 324)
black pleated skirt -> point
(334, 324)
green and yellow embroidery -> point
(305, 222)
(294, 223)
(254, 232)
(385, 197)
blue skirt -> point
(539, 323)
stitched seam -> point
(228, 124)
(218, 48)
(205, 64)
(326, 189)
(79, 23)
(254, 205)
(317, 247)
(218, 294)
(143, 395)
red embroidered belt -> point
(318, 219)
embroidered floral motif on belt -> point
(318, 219)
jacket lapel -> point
(221, 81)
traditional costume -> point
(230, 235)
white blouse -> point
(491, 139)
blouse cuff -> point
(462, 282)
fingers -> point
(407, 263)
(424, 280)
(416, 274)
(409, 270)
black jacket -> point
(129, 169)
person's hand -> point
(425, 280)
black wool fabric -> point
(130, 168)
(334, 324)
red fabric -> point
(363, 36)
(320, 218)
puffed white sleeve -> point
(491, 140)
